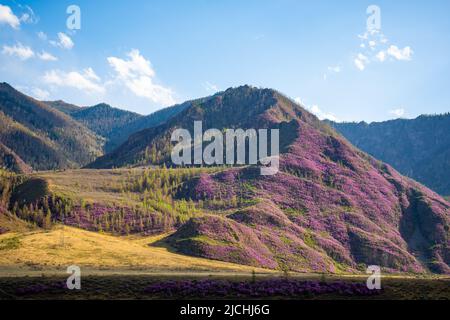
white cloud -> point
(359, 64)
(400, 54)
(364, 36)
(40, 94)
(90, 74)
(64, 41)
(18, 50)
(299, 101)
(332, 70)
(47, 56)
(8, 17)
(321, 114)
(316, 110)
(137, 74)
(25, 52)
(361, 61)
(84, 81)
(210, 87)
(42, 35)
(381, 56)
(375, 46)
(397, 112)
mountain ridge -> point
(30, 128)
(418, 148)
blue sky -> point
(144, 55)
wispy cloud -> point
(18, 50)
(317, 111)
(331, 70)
(400, 54)
(42, 35)
(397, 112)
(210, 87)
(47, 56)
(8, 17)
(25, 52)
(361, 61)
(381, 56)
(376, 47)
(137, 74)
(86, 80)
(64, 41)
(40, 94)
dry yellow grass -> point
(91, 185)
(46, 252)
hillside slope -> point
(418, 148)
(41, 136)
(332, 207)
(9, 160)
(113, 124)
(106, 121)
(94, 251)
(122, 133)
(63, 106)
(233, 108)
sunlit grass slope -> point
(62, 247)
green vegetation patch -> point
(309, 240)
(291, 212)
(210, 241)
(30, 191)
(10, 243)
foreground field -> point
(50, 253)
(33, 266)
(194, 287)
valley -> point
(331, 209)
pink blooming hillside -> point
(330, 208)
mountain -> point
(121, 134)
(113, 124)
(105, 120)
(418, 148)
(62, 106)
(127, 134)
(331, 207)
(10, 161)
(44, 138)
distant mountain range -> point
(47, 135)
(331, 208)
(113, 124)
(418, 148)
